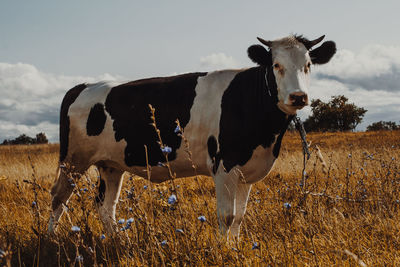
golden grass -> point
(346, 216)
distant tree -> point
(23, 139)
(336, 115)
(41, 139)
(383, 125)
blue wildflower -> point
(163, 243)
(130, 209)
(202, 218)
(73, 185)
(126, 227)
(129, 221)
(255, 246)
(287, 205)
(75, 228)
(102, 237)
(160, 164)
(172, 199)
(177, 129)
(33, 204)
(121, 221)
(166, 149)
(179, 231)
(145, 187)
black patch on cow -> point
(258, 54)
(69, 98)
(212, 146)
(249, 117)
(277, 145)
(128, 106)
(102, 192)
(96, 120)
(323, 53)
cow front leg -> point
(225, 189)
(107, 198)
(242, 195)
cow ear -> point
(258, 54)
(324, 53)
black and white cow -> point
(234, 121)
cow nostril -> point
(298, 99)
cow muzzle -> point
(298, 100)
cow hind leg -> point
(61, 192)
(242, 195)
(107, 198)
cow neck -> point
(278, 120)
(249, 118)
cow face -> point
(291, 60)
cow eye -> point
(309, 65)
(276, 66)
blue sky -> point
(48, 46)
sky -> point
(47, 47)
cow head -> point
(290, 59)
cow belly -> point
(259, 165)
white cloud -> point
(218, 61)
(371, 61)
(30, 99)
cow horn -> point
(316, 41)
(267, 43)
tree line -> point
(23, 139)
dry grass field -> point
(345, 214)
